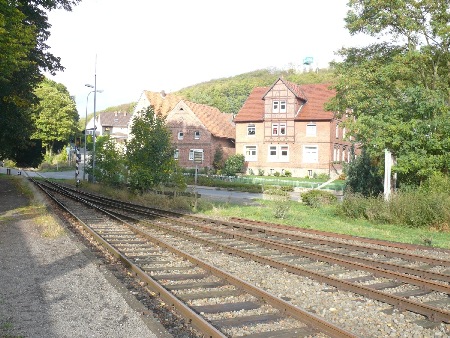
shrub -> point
(322, 176)
(417, 208)
(374, 209)
(318, 198)
(287, 173)
(426, 206)
(234, 164)
(276, 174)
(281, 199)
(353, 205)
(260, 172)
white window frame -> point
(251, 129)
(196, 135)
(308, 154)
(251, 153)
(272, 157)
(191, 154)
(180, 135)
(337, 131)
(275, 106)
(283, 129)
(275, 129)
(283, 106)
(284, 157)
(176, 154)
(311, 129)
(275, 153)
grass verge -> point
(36, 212)
(325, 219)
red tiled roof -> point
(162, 104)
(253, 108)
(219, 124)
(315, 95)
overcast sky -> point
(171, 44)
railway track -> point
(388, 274)
(180, 279)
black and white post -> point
(77, 165)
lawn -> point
(325, 219)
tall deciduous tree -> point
(150, 154)
(399, 91)
(57, 116)
(24, 29)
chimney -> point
(124, 113)
(115, 114)
(163, 93)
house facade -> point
(286, 128)
(114, 124)
(197, 130)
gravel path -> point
(54, 287)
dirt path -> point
(53, 287)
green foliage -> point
(234, 164)
(149, 155)
(109, 162)
(218, 161)
(318, 198)
(424, 206)
(177, 179)
(24, 30)
(282, 198)
(56, 118)
(398, 90)
(363, 177)
(126, 107)
(229, 94)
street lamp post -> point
(85, 127)
(95, 128)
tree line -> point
(396, 91)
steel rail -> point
(369, 265)
(287, 308)
(434, 314)
(193, 318)
(247, 226)
(407, 256)
(396, 245)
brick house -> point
(286, 128)
(202, 129)
(195, 127)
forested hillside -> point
(229, 94)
